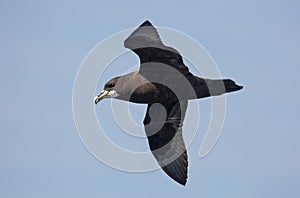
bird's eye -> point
(110, 85)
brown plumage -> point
(165, 84)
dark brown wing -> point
(155, 56)
(146, 43)
(163, 126)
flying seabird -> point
(165, 84)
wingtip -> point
(146, 23)
(182, 182)
(178, 170)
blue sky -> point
(254, 42)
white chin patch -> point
(112, 94)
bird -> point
(165, 84)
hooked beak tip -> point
(103, 94)
(96, 99)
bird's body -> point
(165, 84)
(141, 90)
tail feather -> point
(230, 86)
(209, 87)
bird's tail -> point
(210, 87)
(230, 86)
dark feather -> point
(163, 126)
(146, 43)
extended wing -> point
(163, 126)
(146, 43)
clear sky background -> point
(254, 42)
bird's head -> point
(108, 91)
